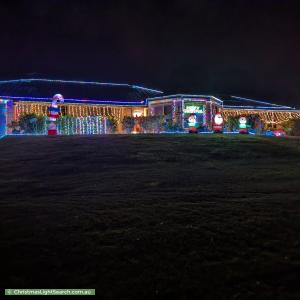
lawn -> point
(152, 216)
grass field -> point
(142, 217)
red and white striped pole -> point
(53, 113)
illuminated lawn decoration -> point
(218, 123)
(243, 125)
(53, 113)
(193, 109)
(192, 120)
(193, 115)
(279, 133)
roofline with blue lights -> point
(256, 108)
(257, 104)
(182, 96)
(78, 101)
(79, 82)
(261, 102)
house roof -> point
(91, 92)
(230, 102)
(185, 97)
(235, 102)
(76, 91)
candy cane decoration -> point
(53, 113)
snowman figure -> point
(243, 125)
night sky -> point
(247, 48)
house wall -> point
(173, 108)
(18, 108)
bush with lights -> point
(172, 126)
(232, 123)
(32, 123)
(292, 127)
(128, 124)
(152, 124)
(111, 123)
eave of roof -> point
(182, 96)
(77, 101)
(79, 82)
(251, 103)
(84, 92)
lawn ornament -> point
(218, 123)
(53, 113)
(243, 125)
(279, 133)
(192, 120)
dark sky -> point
(247, 48)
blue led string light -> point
(80, 82)
(277, 108)
(260, 102)
(92, 101)
(185, 97)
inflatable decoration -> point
(243, 125)
(218, 123)
(53, 113)
(192, 121)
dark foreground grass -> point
(138, 217)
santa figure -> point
(218, 123)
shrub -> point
(292, 127)
(111, 123)
(256, 123)
(173, 126)
(153, 124)
(232, 123)
(32, 123)
(128, 124)
(14, 127)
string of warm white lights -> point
(82, 110)
(69, 110)
(267, 116)
(81, 125)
